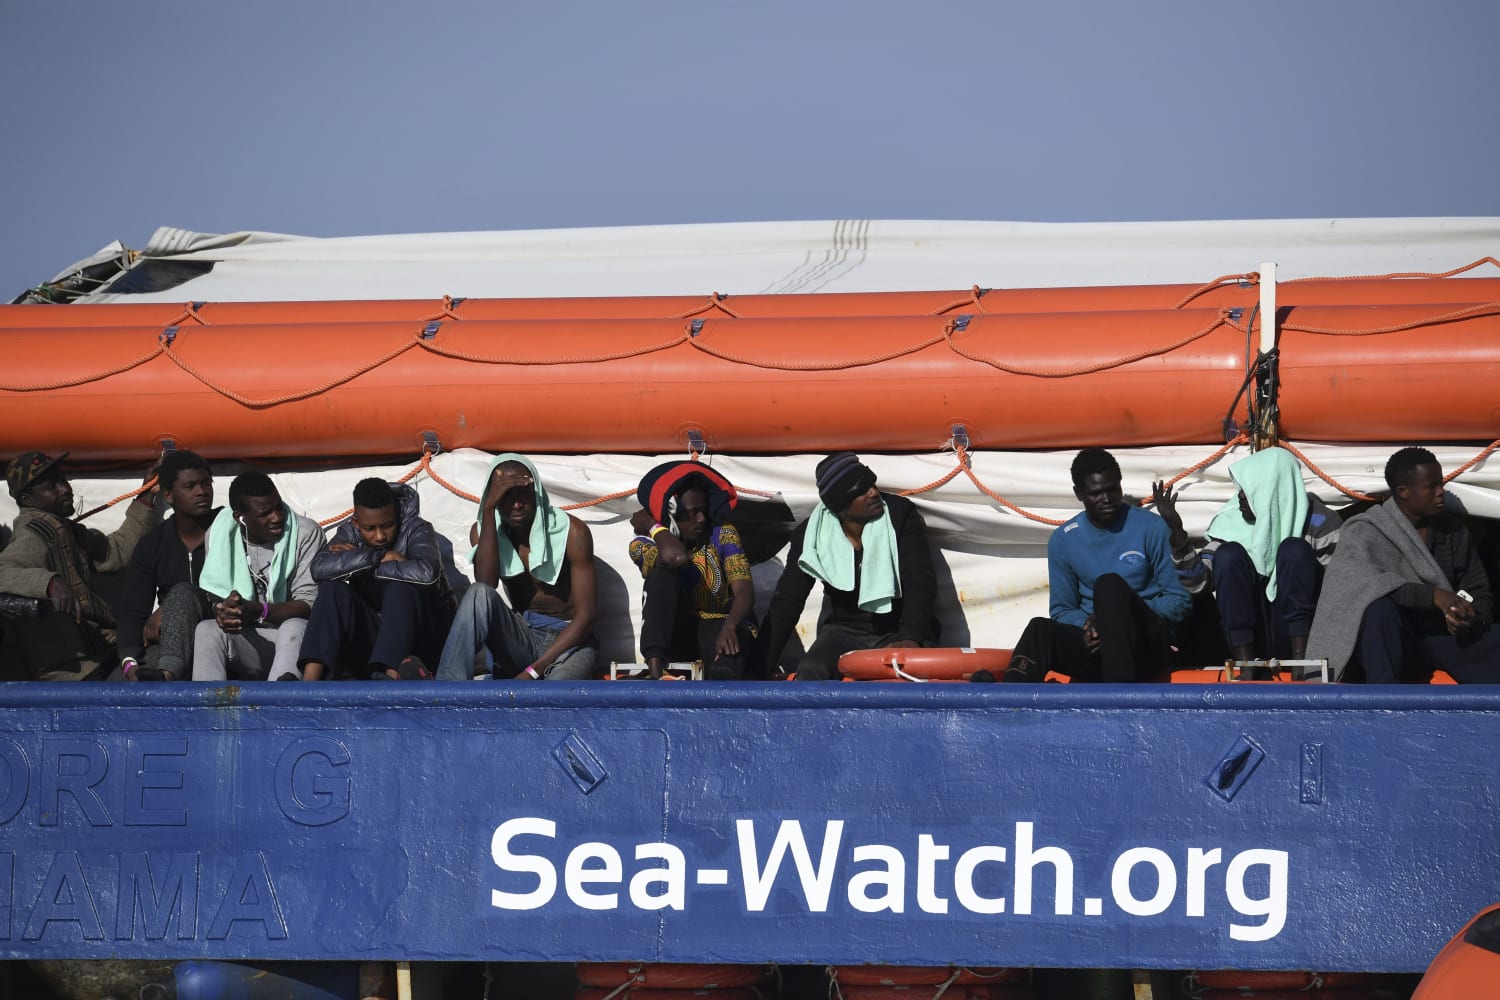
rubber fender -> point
(943, 663)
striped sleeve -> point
(1322, 530)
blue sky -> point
(334, 119)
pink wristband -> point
(532, 671)
(128, 664)
(265, 610)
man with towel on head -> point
(869, 549)
(258, 567)
(1264, 554)
(1114, 591)
(1406, 593)
(546, 559)
(698, 591)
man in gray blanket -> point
(1405, 593)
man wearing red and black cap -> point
(53, 557)
(698, 593)
(869, 550)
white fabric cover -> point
(832, 256)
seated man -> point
(869, 549)
(384, 605)
(1115, 592)
(546, 559)
(163, 573)
(697, 580)
(1405, 593)
(52, 557)
(1264, 552)
(258, 568)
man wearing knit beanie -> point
(869, 550)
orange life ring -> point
(948, 663)
(670, 975)
(916, 975)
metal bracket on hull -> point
(430, 443)
(696, 445)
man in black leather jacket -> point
(383, 603)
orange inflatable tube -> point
(882, 383)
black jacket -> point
(422, 564)
(159, 563)
(911, 614)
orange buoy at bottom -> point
(948, 663)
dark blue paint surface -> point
(359, 821)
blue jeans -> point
(484, 622)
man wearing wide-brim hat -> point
(51, 556)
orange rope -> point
(1455, 316)
(1239, 439)
(814, 366)
(589, 360)
(598, 500)
(84, 380)
(1403, 274)
(1249, 277)
(410, 475)
(1312, 467)
(291, 397)
(426, 463)
(963, 462)
(1486, 453)
(972, 300)
(119, 499)
(1221, 320)
(936, 483)
(715, 301)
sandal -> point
(413, 669)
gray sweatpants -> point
(265, 652)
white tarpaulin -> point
(842, 256)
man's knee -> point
(1111, 591)
(399, 593)
(1294, 554)
(182, 598)
(1232, 561)
(479, 599)
(334, 597)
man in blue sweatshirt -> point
(1115, 592)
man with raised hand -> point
(696, 579)
(384, 605)
(163, 574)
(545, 559)
(258, 567)
(1264, 554)
(870, 551)
(1406, 593)
(1114, 591)
(51, 556)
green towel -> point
(549, 531)
(1271, 480)
(225, 568)
(828, 555)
